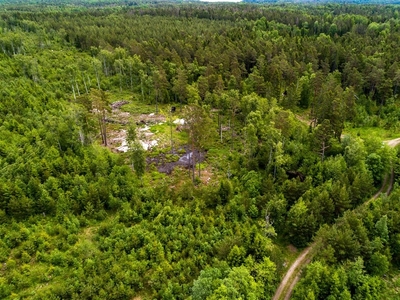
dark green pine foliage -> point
(78, 221)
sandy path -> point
(392, 143)
(288, 279)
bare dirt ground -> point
(304, 119)
(294, 270)
(292, 276)
(392, 143)
(117, 137)
(206, 176)
(164, 162)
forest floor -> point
(292, 276)
(304, 118)
(119, 121)
(392, 143)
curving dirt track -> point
(292, 276)
(392, 143)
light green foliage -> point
(252, 183)
(265, 275)
(382, 229)
(236, 256)
(136, 151)
(225, 191)
(239, 284)
(208, 281)
(345, 282)
(193, 94)
(76, 223)
(375, 166)
(300, 223)
(378, 264)
(316, 281)
(277, 208)
(244, 282)
(138, 158)
(334, 168)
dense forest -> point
(285, 111)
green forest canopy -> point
(277, 89)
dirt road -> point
(292, 276)
(294, 270)
(392, 143)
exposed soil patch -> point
(118, 104)
(164, 162)
(150, 119)
(118, 116)
(393, 143)
(292, 249)
(291, 275)
(205, 176)
(117, 138)
(304, 120)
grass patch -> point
(202, 166)
(180, 138)
(118, 96)
(393, 286)
(158, 176)
(161, 129)
(136, 106)
(171, 157)
(162, 132)
(368, 132)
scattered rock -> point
(108, 120)
(147, 145)
(179, 121)
(118, 104)
(184, 161)
(145, 128)
(117, 139)
(150, 119)
(124, 147)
